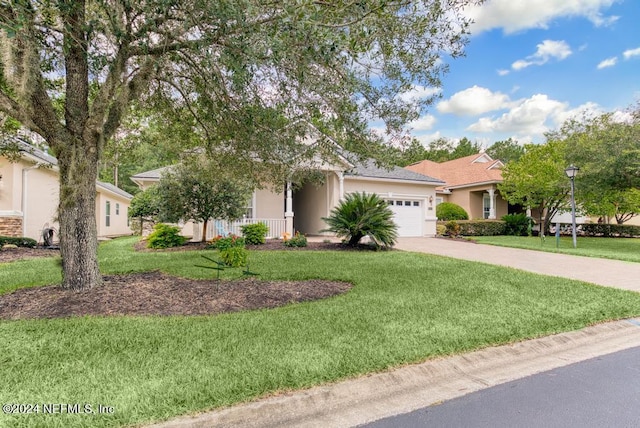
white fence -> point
(222, 227)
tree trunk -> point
(204, 231)
(77, 217)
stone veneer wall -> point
(11, 226)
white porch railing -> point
(277, 227)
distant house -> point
(29, 195)
(470, 182)
(410, 196)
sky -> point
(532, 64)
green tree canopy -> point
(607, 150)
(254, 75)
(538, 180)
(506, 150)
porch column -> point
(288, 212)
(340, 184)
(492, 204)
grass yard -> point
(404, 308)
(627, 249)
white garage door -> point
(408, 216)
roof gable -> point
(469, 170)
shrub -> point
(234, 256)
(165, 236)
(441, 229)
(478, 227)
(298, 240)
(232, 250)
(516, 224)
(450, 211)
(17, 241)
(609, 230)
(224, 242)
(453, 228)
(360, 215)
(255, 234)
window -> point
(117, 209)
(389, 202)
(399, 203)
(486, 206)
(108, 214)
(416, 203)
(407, 203)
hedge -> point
(17, 241)
(480, 227)
(610, 230)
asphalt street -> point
(601, 392)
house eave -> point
(392, 180)
(480, 183)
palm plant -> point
(360, 215)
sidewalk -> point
(376, 396)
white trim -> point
(11, 213)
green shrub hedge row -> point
(622, 230)
(18, 241)
(480, 227)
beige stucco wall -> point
(268, 203)
(9, 199)
(470, 198)
(118, 224)
(39, 208)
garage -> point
(408, 215)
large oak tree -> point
(253, 74)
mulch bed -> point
(155, 293)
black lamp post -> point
(571, 172)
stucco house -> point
(410, 195)
(29, 195)
(470, 182)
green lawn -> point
(404, 308)
(627, 249)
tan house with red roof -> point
(470, 182)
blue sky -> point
(531, 64)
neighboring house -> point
(29, 195)
(470, 182)
(411, 197)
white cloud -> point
(425, 123)
(547, 50)
(631, 53)
(425, 139)
(419, 92)
(518, 15)
(609, 62)
(529, 116)
(586, 110)
(503, 72)
(473, 101)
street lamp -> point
(571, 172)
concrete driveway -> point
(610, 273)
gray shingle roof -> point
(151, 175)
(114, 189)
(369, 169)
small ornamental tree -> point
(145, 206)
(196, 190)
(361, 215)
